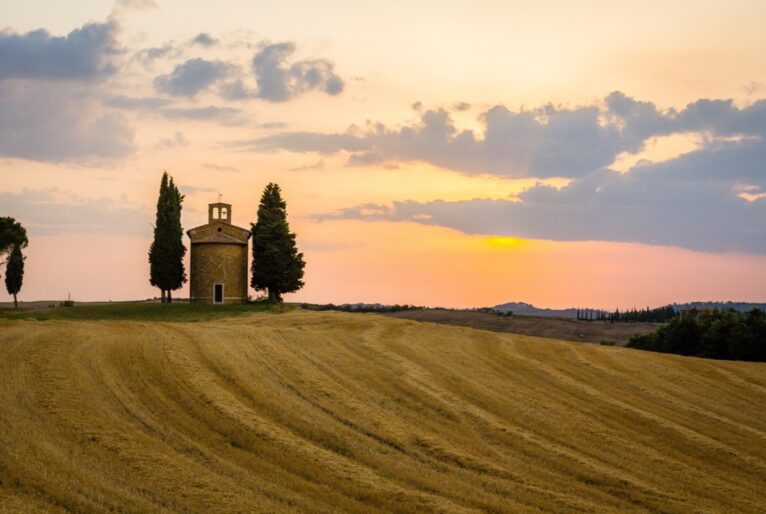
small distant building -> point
(218, 268)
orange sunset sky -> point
(608, 154)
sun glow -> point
(508, 242)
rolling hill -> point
(331, 412)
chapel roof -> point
(219, 232)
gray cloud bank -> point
(57, 102)
(56, 124)
(277, 77)
(51, 211)
(192, 76)
(137, 5)
(204, 39)
(84, 53)
(166, 108)
(603, 206)
(51, 110)
(278, 80)
(692, 201)
(545, 142)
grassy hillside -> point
(146, 311)
(328, 412)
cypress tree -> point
(14, 274)
(158, 250)
(277, 265)
(12, 234)
(166, 267)
(177, 249)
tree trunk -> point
(170, 297)
(274, 296)
(15, 302)
(163, 296)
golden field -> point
(332, 412)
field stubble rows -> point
(328, 412)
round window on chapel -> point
(219, 229)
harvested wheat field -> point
(329, 412)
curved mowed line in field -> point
(328, 412)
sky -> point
(442, 153)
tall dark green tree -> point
(158, 251)
(277, 265)
(14, 274)
(166, 267)
(12, 234)
(177, 249)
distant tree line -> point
(647, 315)
(737, 306)
(715, 334)
(494, 311)
(360, 307)
(381, 308)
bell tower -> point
(219, 212)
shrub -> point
(715, 334)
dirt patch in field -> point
(554, 328)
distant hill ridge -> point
(530, 310)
